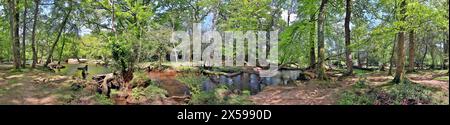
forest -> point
(121, 52)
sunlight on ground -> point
(15, 76)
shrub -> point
(103, 100)
(220, 96)
(193, 81)
(355, 98)
(406, 93)
(140, 79)
(150, 92)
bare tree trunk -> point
(411, 61)
(446, 56)
(320, 68)
(61, 52)
(14, 32)
(33, 34)
(424, 55)
(24, 32)
(312, 53)
(398, 78)
(367, 59)
(391, 60)
(348, 51)
(433, 59)
(113, 16)
(50, 53)
(359, 60)
(448, 49)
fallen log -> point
(216, 73)
(106, 83)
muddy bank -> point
(167, 80)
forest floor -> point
(25, 88)
(327, 93)
(36, 87)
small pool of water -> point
(72, 70)
(251, 81)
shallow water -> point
(167, 79)
(250, 81)
(72, 70)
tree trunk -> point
(61, 52)
(312, 53)
(50, 53)
(320, 68)
(433, 59)
(24, 32)
(113, 16)
(446, 56)
(391, 61)
(367, 59)
(14, 32)
(424, 55)
(411, 61)
(348, 51)
(401, 47)
(359, 60)
(33, 34)
(448, 49)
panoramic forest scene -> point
(224, 52)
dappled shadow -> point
(310, 93)
(22, 89)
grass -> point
(406, 93)
(150, 92)
(103, 99)
(221, 96)
(360, 72)
(193, 81)
(443, 78)
(140, 79)
(187, 69)
(13, 81)
(3, 91)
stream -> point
(251, 82)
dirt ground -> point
(321, 93)
(36, 87)
(32, 88)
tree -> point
(348, 51)
(411, 56)
(33, 34)
(312, 52)
(62, 26)
(14, 31)
(320, 67)
(398, 78)
(24, 32)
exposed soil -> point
(167, 80)
(26, 88)
(325, 93)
